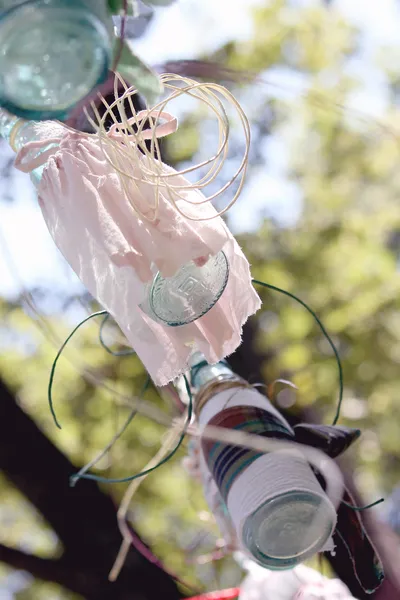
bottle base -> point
(189, 294)
(288, 529)
(53, 56)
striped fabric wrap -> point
(225, 461)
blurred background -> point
(319, 216)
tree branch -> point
(83, 517)
(41, 472)
(46, 569)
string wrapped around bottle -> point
(146, 242)
(194, 466)
(284, 504)
(279, 510)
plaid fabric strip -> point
(227, 461)
(230, 594)
(353, 544)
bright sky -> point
(178, 32)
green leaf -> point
(137, 73)
(114, 6)
(158, 2)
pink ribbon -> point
(170, 126)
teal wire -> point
(190, 407)
(76, 477)
(73, 480)
(361, 508)
(340, 369)
(326, 334)
(163, 461)
(104, 345)
(54, 365)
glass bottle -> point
(173, 301)
(202, 373)
(288, 528)
(187, 295)
(53, 53)
(17, 132)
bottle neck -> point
(18, 132)
(208, 380)
(202, 373)
(8, 123)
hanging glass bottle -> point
(186, 296)
(52, 54)
(281, 514)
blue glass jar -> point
(52, 54)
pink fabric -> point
(115, 253)
(169, 126)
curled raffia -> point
(135, 161)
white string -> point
(136, 164)
(170, 441)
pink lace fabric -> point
(115, 252)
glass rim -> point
(86, 19)
(288, 561)
(177, 323)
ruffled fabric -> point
(115, 252)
